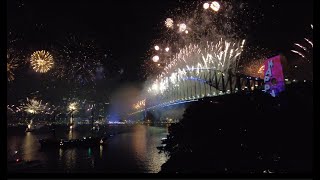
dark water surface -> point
(133, 150)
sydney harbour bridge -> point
(195, 85)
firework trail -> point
(309, 42)
(306, 51)
(15, 57)
(222, 56)
(297, 52)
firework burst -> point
(11, 66)
(33, 106)
(222, 56)
(140, 104)
(14, 60)
(196, 24)
(205, 37)
(41, 61)
(73, 107)
(82, 60)
(255, 68)
(169, 23)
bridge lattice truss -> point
(199, 84)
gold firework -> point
(11, 66)
(73, 107)
(255, 68)
(41, 61)
(33, 106)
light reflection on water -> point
(134, 150)
(101, 151)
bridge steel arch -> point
(204, 83)
(200, 83)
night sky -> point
(126, 29)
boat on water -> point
(83, 142)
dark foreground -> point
(244, 133)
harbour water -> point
(131, 150)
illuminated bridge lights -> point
(204, 84)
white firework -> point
(169, 23)
(206, 6)
(297, 52)
(305, 51)
(222, 56)
(155, 58)
(309, 42)
(182, 27)
(215, 6)
(302, 47)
